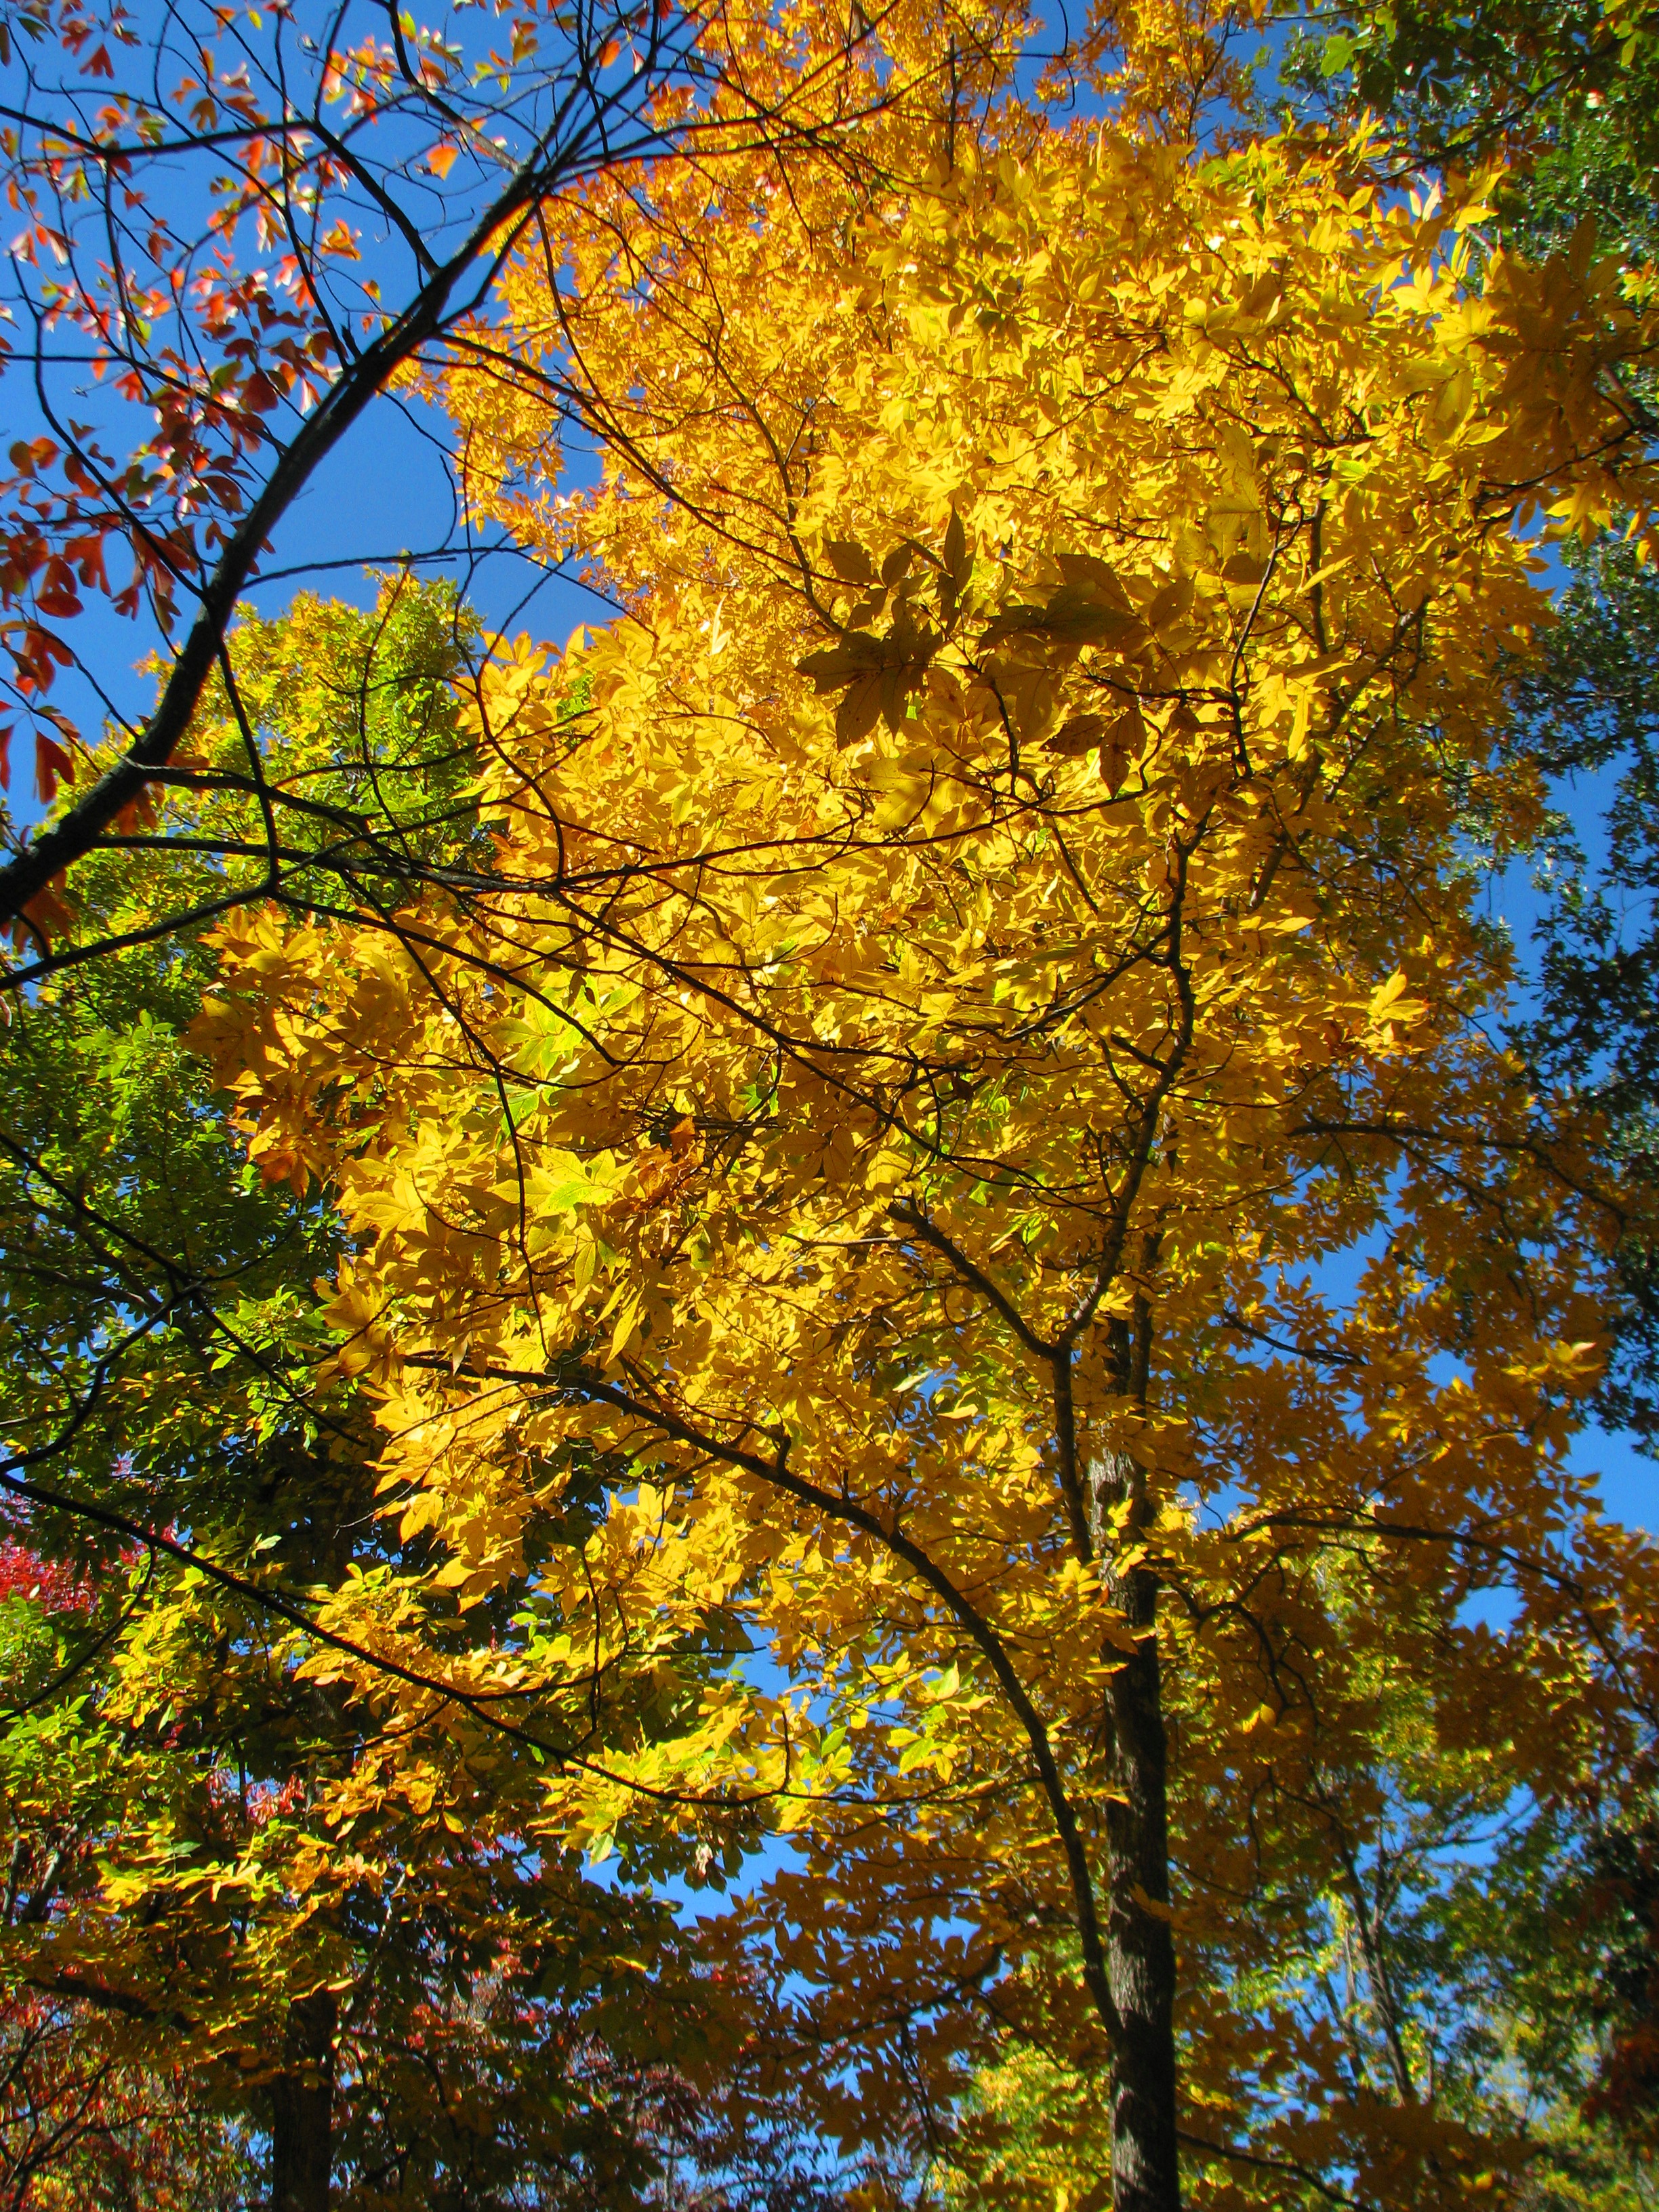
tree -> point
(317, 1907)
(1575, 94)
(78, 2125)
(239, 235)
(1571, 94)
(1459, 1958)
(1460, 81)
(980, 1123)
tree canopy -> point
(982, 1077)
(884, 1239)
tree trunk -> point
(303, 2114)
(1141, 1951)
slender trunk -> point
(1141, 1951)
(302, 2108)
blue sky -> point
(387, 490)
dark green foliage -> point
(1592, 705)
(1569, 82)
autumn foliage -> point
(792, 1393)
(238, 230)
(974, 1112)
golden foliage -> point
(974, 1101)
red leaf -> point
(29, 456)
(87, 554)
(5, 757)
(52, 765)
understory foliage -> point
(79, 2125)
(972, 1124)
